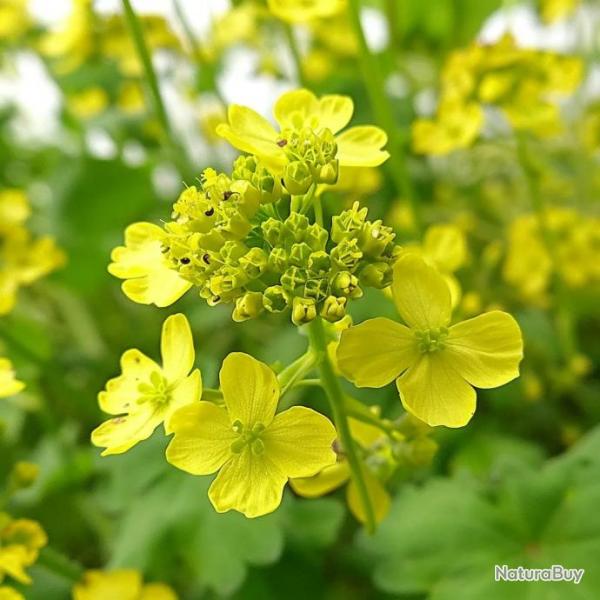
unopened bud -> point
(297, 178)
(304, 310)
(334, 308)
(275, 299)
(248, 306)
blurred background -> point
(84, 153)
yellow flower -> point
(435, 365)
(14, 19)
(142, 263)
(308, 128)
(20, 543)
(131, 98)
(8, 593)
(334, 476)
(300, 11)
(122, 584)
(88, 102)
(14, 209)
(146, 395)
(254, 450)
(9, 385)
(555, 10)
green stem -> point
(291, 375)
(196, 51)
(374, 83)
(158, 105)
(318, 208)
(58, 563)
(308, 383)
(331, 384)
(293, 44)
(212, 395)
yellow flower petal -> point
(249, 132)
(299, 441)
(161, 287)
(157, 591)
(122, 433)
(8, 593)
(420, 293)
(9, 385)
(248, 483)
(380, 499)
(294, 108)
(329, 479)
(122, 391)
(487, 349)
(433, 391)
(250, 389)
(123, 584)
(203, 437)
(362, 147)
(335, 112)
(177, 347)
(189, 391)
(13, 560)
(375, 352)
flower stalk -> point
(335, 395)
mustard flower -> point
(254, 450)
(123, 584)
(9, 385)
(300, 11)
(20, 543)
(8, 593)
(146, 394)
(435, 365)
(149, 279)
(308, 140)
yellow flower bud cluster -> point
(521, 82)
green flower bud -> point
(299, 254)
(227, 282)
(248, 306)
(334, 308)
(316, 237)
(316, 288)
(232, 251)
(297, 178)
(346, 284)
(254, 262)
(272, 230)
(375, 238)
(377, 275)
(346, 255)
(275, 299)
(348, 224)
(319, 262)
(328, 173)
(295, 228)
(304, 310)
(294, 279)
(278, 260)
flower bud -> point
(297, 178)
(299, 254)
(316, 237)
(374, 238)
(319, 262)
(377, 275)
(328, 173)
(295, 228)
(275, 299)
(272, 230)
(348, 224)
(248, 306)
(23, 475)
(294, 279)
(304, 310)
(254, 262)
(334, 308)
(278, 259)
(346, 284)
(316, 288)
(346, 254)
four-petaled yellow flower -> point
(20, 543)
(307, 136)
(9, 385)
(254, 450)
(141, 262)
(125, 584)
(147, 394)
(435, 365)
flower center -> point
(156, 392)
(431, 340)
(248, 437)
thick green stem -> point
(375, 86)
(331, 385)
(293, 44)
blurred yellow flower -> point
(149, 279)
(124, 584)
(435, 365)
(8, 593)
(14, 19)
(334, 476)
(555, 10)
(254, 450)
(20, 543)
(14, 209)
(300, 11)
(146, 394)
(306, 149)
(88, 103)
(9, 385)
